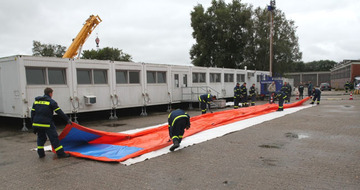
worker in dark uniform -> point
(252, 94)
(43, 125)
(243, 95)
(301, 90)
(310, 87)
(288, 94)
(236, 96)
(205, 99)
(281, 96)
(347, 86)
(285, 90)
(178, 121)
(316, 96)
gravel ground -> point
(315, 148)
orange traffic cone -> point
(351, 98)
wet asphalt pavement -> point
(315, 148)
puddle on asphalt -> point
(278, 146)
(269, 161)
(114, 124)
(296, 136)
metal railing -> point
(191, 94)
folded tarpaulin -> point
(83, 142)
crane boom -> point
(78, 42)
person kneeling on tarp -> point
(178, 121)
(281, 96)
(316, 95)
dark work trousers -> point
(236, 102)
(243, 100)
(43, 133)
(316, 97)
(253, 98)
(281, 103)
(301, 95)
(176, 131)
(309, 92)
(203, 107)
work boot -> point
(312, 103)
(175, 146)
(280, 109)
(41, 153)
(65, 155)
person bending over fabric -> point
(205, 99)
(178, 121)
(316, 96)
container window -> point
(121, 77)
(240, 78)
(215, 77)
(35, 76)
(134, 77)
(185, 80)
(57, 76)
(161, 77)
(83, 76)
(100, 77)
(151, 76)
(202, 77)
(176, 81)
(229, 77)
(195, 77)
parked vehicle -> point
(325, 86)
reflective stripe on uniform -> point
(56, 109)
(281, 106)
(40, 147)
(180, 136)
(32, 109)
(40, 125)
(58, 148)
(174, 137)
(172, 124)
(42, 102)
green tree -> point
(322, 65)
(47, 50)
(222, 34)
(106, 53)
(233, 36)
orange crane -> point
(78, 42)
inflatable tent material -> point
(88, 143)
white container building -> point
(93, 85)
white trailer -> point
(94, 85)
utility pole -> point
(271, 7)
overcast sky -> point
(159, 31)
